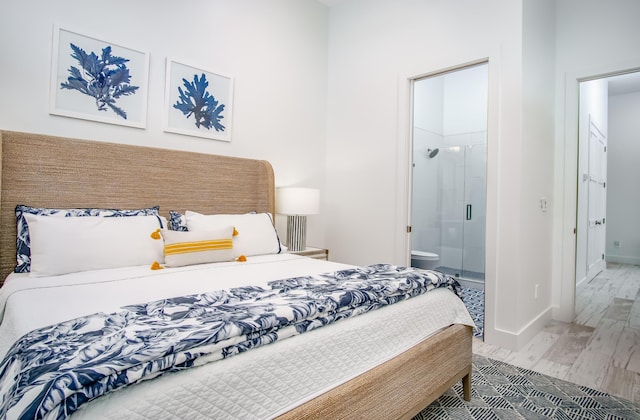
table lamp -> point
(297, 203)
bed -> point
(351, 369)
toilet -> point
(425, 260)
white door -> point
(597, 192)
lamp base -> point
(296, 233)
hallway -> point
(601, 348)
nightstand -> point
(317, 253)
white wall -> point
(623, 192)
(534, 232)
(428, 97)
(465, 101)
(593, 39)
(374, 48)
(276, 51)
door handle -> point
(468, 211)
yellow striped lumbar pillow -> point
(197, 247)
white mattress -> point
(260, 383)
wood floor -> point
(601, 348)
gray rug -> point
(503, 391)
(474, 301)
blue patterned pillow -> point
(23, 250)
(177, 221)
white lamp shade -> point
(297, 201)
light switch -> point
(544, 204)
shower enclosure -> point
(448, 216)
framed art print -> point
(198, 102)
(97, 80)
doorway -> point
(606, 230)
(449, 144)
(449, 179)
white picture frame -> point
(111, 91)
(198, 102)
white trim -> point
(579, 282)
(622, 259)
(564, 269)
(516, 340)
(403, 159)
(403, 176)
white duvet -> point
(260, 383)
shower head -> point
(431, 153)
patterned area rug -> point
(503, 391)
(474, 301)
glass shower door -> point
(473, 243)
(452, 211)
(463, 180)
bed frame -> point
(47, 171)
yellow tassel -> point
(156, 266)
(156, 234)
(241, 258)
(235, 232)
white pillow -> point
(197, 247)
(256, 233)
(61, 245)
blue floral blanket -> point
(52, 371)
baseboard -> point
(514, 341)
(563, 315)
(582, 280)
(622, 259)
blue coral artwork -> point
(198, 102)
(195, 101)
(105, 78)
(98, 80)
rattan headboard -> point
(47, 171)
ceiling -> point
(625, 83)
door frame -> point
(465, 154)
(403, 182)
(566, 193)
